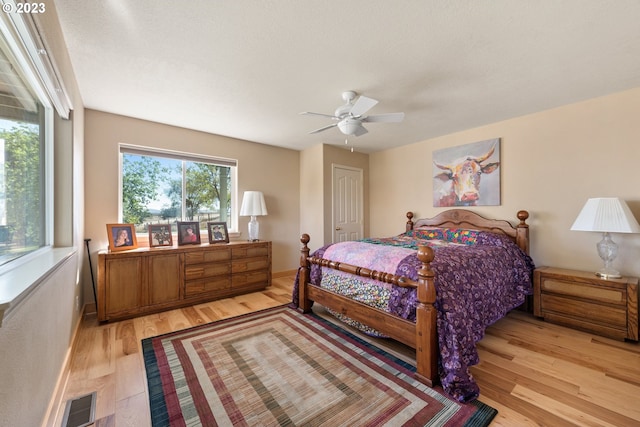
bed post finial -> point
(425, 256)
(522, 216)
(522, 231)
(304, 251)
(409, 221)
(304, 303)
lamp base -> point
(608, 250)
(254, 229)
(609, 274)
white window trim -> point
(21, 30)
(28, 272)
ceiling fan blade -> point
(324, 128)
(309, 113)
(360, 131)
(362, 105)
(387, 118)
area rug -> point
(280, 367)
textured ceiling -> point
(247, 68)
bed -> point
(439, 294)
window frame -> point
(28, 47)
(19, 53)
(124, 148)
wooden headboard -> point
(462, 218)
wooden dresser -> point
(584, 301)
(148, 280)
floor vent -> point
(80, 412)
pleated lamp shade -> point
(253, 204)
(606, 214)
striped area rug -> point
(280, 367)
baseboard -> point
(283, 274)
(90, 309)
(56, 398)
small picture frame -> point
(160, 235)
(218, 232)
(188, 233)
(122, 237)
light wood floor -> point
(533, 372)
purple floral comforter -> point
(480, 277)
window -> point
(31, 92)
(23, 213)
(162, 187)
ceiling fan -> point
(350, 116)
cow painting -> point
(457, 182)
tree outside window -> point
(164, 189)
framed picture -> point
(188, 233)
(218, 232)
(467, 175)
(160, 235)
(122, 237)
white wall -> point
(551, 163)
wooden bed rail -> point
(425, 256)
(421, 335)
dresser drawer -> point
(250, 264)
(200, 271)
(199, 257)
(615, 317)
(256, 250)
(245, 279)
(585, 291)
(195, 287)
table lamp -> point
(253, 205)
(606, 215)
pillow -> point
(452, 235)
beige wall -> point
(312, 195)
(551, 163)
(316, 187)
(36, 342)
(272, 170)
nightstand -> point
(582, 300)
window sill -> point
(20, 281)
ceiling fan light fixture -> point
(349, 126)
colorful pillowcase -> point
(452, 235)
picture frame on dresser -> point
(188, 233)
(122, 237)
(160, 235)
(218, 232)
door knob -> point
(338, 228)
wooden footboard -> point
(420, 335)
